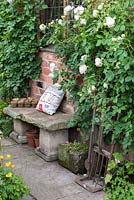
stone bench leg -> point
(49, 141)
(20, 129)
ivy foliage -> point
(18, 46)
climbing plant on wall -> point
(18, 45)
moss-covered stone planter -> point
(72, 156)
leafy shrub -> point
(12, 187)
(6, 123)
(96, 43)
(119, 179)
(76, 147)
(18, 46)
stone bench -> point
(53, 129)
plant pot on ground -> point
(72, 156)
(31, 135)
(36, 141)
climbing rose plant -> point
(96, 41)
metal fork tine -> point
(93, 163)
(98, 159)
(107, 161)
(102, 162)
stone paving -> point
(47, 180)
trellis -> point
(55, 9)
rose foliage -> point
(96, 42)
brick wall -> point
(46, 77)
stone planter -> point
(74, 161)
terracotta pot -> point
(34, 102)
(21, 102)
(31, 134)
(30, 140)
(36, 141)
(14, 102)
(27, 103)
(32, 131)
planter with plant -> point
(72, 156)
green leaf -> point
(108, 178)
(122, 28)
(118, 156)
(128, 78)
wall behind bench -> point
(45, 78)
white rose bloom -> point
(105, 85)
(42, 27)
(110, 22)
(93, 87)
(57, 85)
(89, 91)
(98, 62)
(62, 17)
(76, 17)
(95, 13)
(119, 38)
(79, 10)
(114, 39)
(60, 21)
(76, 11)
(117, 161)
(83, 21)
(123, 35)
(83, 58)
(52, 66)
(52, 22)
(67, 9)
(100, 6)
(9, 1)
(82, 69)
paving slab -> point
(47, 180)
